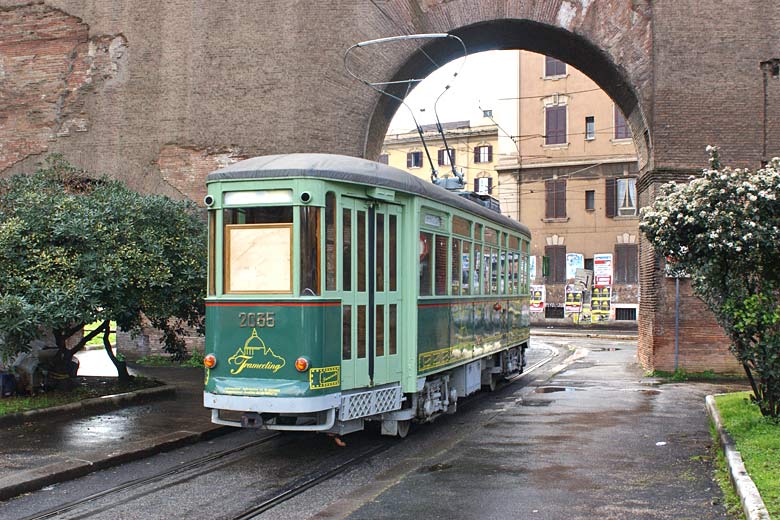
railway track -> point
(103, 502)
(203, 464)
(298, 487)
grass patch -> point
(682, 375)
(757, 438)
(85, 388)
(195, 360)
(97, 341)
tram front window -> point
(258, 249)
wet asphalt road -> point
(596, 441)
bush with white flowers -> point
(723, 229)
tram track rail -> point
(213, 459)
(302, 485)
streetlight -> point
(771, 66)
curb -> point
(35, 479)
(91, 405)
(596, 335)
(746, 489)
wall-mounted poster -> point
(537, 298)
(532, 268)
(602, 269)
(600, 305)
(574, 261)
(573, 302)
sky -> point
(484, 78)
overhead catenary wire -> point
(377, 85)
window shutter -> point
(561, 125)
(490, 153)
(408, 160)
(610, 197)
(550, 125)
(560, 199)
(632, 263)
(549, 199)
(476, 154)
(441, 157)
(490, 185)
(476, 185)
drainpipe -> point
(676, 323)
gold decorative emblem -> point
(255, 355)
(324, 377)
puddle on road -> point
(535, 403)
(435, 467)
(551, 389)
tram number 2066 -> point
(256, 319)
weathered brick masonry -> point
(159, 93)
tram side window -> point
(476, 273)
(456, 266)
(330, 241)
(258, 249)
(426, 264)
(441, 264)
(464, 268)
(310, 251)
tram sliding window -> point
(426, 264)
(310, 250)
(441, 265)
(258, 250)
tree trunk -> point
(121, 366)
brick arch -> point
(603, 59)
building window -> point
(446, 156)
(483, 185)
(487, 113)
(589, 264)
(555, 125)
(555, 313)
(557, 261)
(625, 314)
(621, 197)
(626, 265)
(553, 67)
(384, 159)
(414, 160)
(590, 200)
(555, 198)
(483, 154)
(590, 128)
(622, 131)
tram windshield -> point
(258, 249)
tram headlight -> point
(210, 361)
(302, 364)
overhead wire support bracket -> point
(376, 85)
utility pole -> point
(768, 67)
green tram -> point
(341, 290)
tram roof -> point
(354, 170)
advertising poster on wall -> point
(600, 305)
(537, 298)
(602, 269)
(574, 261)
(532, 268)
(573, 302)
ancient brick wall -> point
(158, 93)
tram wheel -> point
(403, 428)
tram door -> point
(369, 238)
